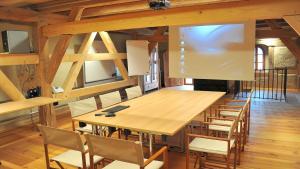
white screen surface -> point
(223, 52)
(137, 57)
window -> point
(259, 59)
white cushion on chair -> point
(210, 146)
(229, 113)
(87, 129)
(216, 127)
(74, 158)
(123, 165)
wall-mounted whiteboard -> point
(223, 52)
(98, 70)
(137, 57)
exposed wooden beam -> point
(76, 66)
(113, 50)
(18, 59)
(97, 89)
(66, 6)
(214, 14)
(9, 88)
(62, 46)
(287, 41)
(29, 16)
(275, 33)
(162, 38)
(94, 57)
(108, 7)
(294, 22)
(47, 115)
(292, 46)
(14, 106)
(57, 56)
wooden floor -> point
(274, 140)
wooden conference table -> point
(164, 112)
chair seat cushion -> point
(74, 158)
(210, 146)
(87, 129)
(216, 127)
(124, 165)
(229, 113)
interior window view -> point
(149, 84)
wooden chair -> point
(107, 100)
(81, 107)
(205, 144)
(225, 110)
(127, 154)
(133, 92)
(223, 125)
(76, 156)
(110, 99)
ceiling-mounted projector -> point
(159, 4)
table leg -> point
(94, 129)
(141, 138)
(150, 143)
(100, 131)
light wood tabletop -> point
(164, 112)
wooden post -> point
(46, 113)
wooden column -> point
(46, 113)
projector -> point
(159, 4)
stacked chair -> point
(225, 132)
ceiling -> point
(18, 3)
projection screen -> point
(223, 52)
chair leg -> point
(119, 133)
(92, 166)
(197, 158)
(47, 156)
(235, 156)
(228, 161)
(60, 166)
(187, 157)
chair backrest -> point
(62, 138)
(82, 106)
(110, 99)
(234, 126)
(116, 149)
(133, 92)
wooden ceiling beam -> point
(29, 16)
(51, 7)
(275, 33)
(76, 66)
(61, 47)
(294, 22)
(9, 88)
(97, 89)
(291, 44)
(109, 44)
(245, 10)
(18, 59)
(94, 57)
(144, 6)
